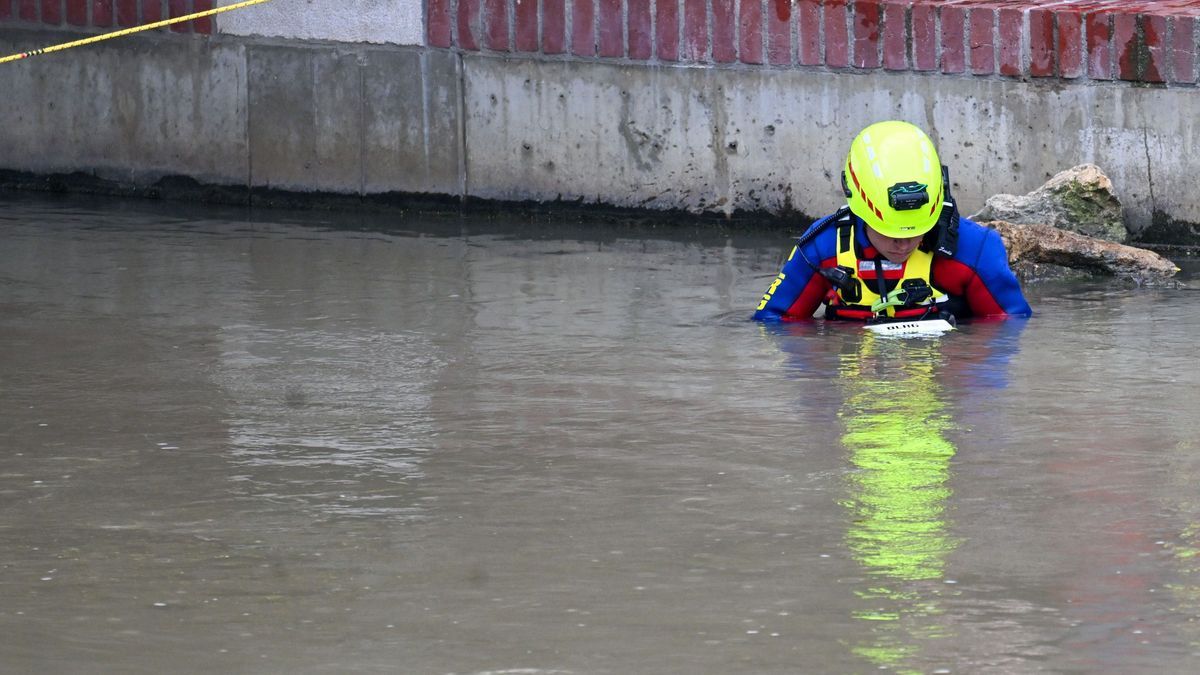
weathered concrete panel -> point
(728, 140)
(305, 119)
(128, 111)
(378, 21)
(354, 122)
(627, 136)
(412, 119)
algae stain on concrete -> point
(645, 146)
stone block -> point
(1080, 199)
(1032, 247)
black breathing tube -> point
(836, 276)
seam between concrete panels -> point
(362, 123)
(461, 94)
(423, 60)
(247, 53)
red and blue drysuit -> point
(974, 281)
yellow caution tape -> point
(128, 31)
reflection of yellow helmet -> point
(893, 179)
(897, 424)
(895, 429)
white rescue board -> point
(928, 328)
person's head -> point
(893, 182)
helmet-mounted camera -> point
(908, 196)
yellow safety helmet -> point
(893, 179)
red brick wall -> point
(107, 15)
(1071, 40)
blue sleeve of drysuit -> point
(797, 291)
(991, 266)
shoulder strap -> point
(947, 227)
(943, 238)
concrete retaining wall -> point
(350, 120)
(718, 106)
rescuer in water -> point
(898, 250)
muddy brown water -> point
(255, 441)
